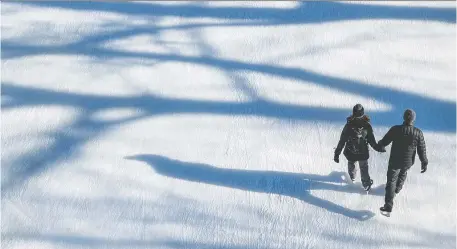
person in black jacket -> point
(406, 140)
(355, 137)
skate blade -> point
(387, 214)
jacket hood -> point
(362, 118)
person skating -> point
(406, 139)
(355, 137)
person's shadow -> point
(272, 182)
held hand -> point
(336, 159)
(380, 148)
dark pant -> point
(395, 180)
(364, 175)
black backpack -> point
(357, 139)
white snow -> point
(213, 124)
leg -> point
(391, 185)
(401, 180)
(364, 173)
(352, 170)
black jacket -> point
(355, 137)
(406, 140)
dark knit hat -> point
(357, 110)
(409, 116)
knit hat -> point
(357, 110)
(409, 116)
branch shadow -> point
(294, 185)
(281, 183)
(66, 145)
(304, 12)
(444, 112)
(67, 140)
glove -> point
(336, 159)
(424, 168)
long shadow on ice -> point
(294, 185)
(305, 12)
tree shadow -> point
(304, 12)
(150, 105)
(443, 111)
(69, 139)
(294, 185)
(87, 127)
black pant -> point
(395, 180)
(364, 175)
